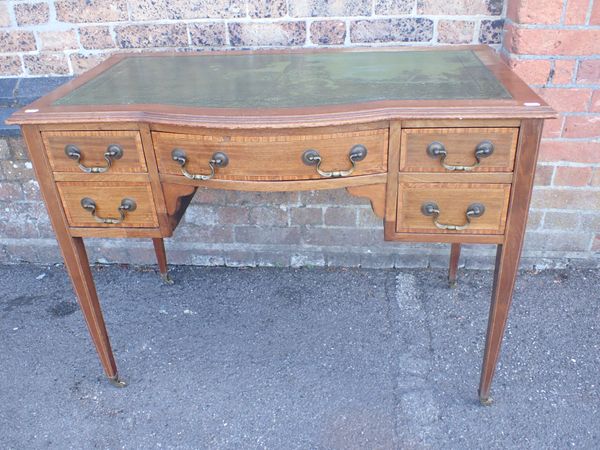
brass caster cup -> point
(486, 401)
(117, 382)
(166, 278)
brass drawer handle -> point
(438, 150)
(432, 209)
(113, 151)
(311, 157)
(219, 159)
(127, 205)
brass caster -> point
(486, 401)
(166, 278)
(451, 284)
(117, 382)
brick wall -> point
(63, 37)
(552, 44)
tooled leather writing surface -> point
(287, 80)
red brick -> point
(572, 176)
(31, 13)
(17, 41)
(532, 71)
(565, 99)
(555, 220)
(4, 17)
(595, 103)
(552, 42)
(543, 175)
(595, 17)
(10, 65)
(595, 181)
(78, 11)
(563, 71)
(535, 11)
(574, 199)
(58, 40)
(589, 72)
(46, 63)
(553, 127)
(581, 152)
(582, 126)
(576, 12)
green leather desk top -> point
(289, 80)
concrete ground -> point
(298, 358)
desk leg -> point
(453, 267)
(161, 257)
(74, 254)
(78, 267)
(509, 254)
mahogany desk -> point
(442, 141)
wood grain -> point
(375, 193)
(93, 145)
(73, 252)
(267, 156)
(453, 265)
(509, 254)
(455, 177)
(278, 186)
(461, 123)
(460, 145)
(453, 199)
(108, 197)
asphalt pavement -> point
(232, 358)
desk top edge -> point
(525, 104)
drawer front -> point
(460, 146)
(270, 156)
(92, 147)
(418, 203)
(108, 198)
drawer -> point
(92, 148)
(269, 156)
(422, 150)
(421, 205)
(105, 200)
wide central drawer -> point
(269, 156)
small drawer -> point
(106, 204)
(458, 149)
(265, 156)
(95, 151)
(452, 208)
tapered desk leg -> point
(161, 257)
(509, 254)
(453, 267)
(77, 264)
(74, 255)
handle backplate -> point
(127, 205)
(438, 150)
(431, 209)
(219, 159)
(113, 152)
(311, 157)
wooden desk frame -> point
(172, 193)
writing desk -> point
(442, 141)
